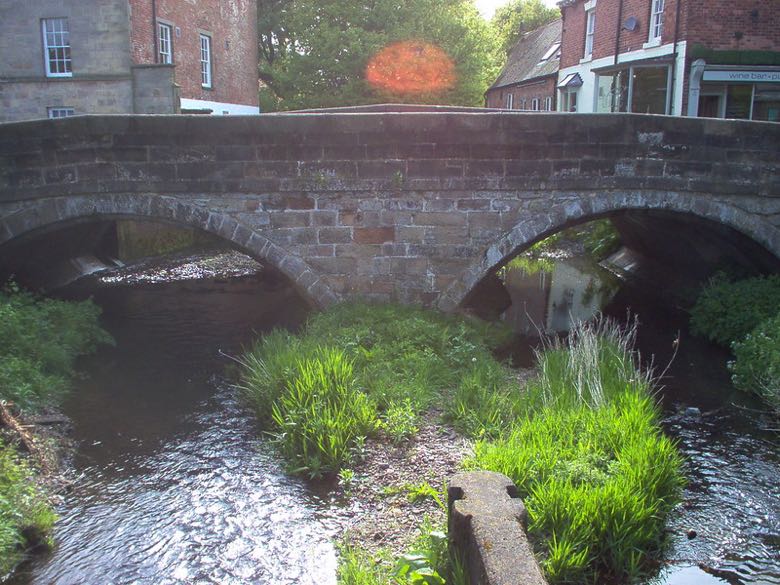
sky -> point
(488, 7)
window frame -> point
(629, 95)
(56, 112)
(656, 28)
(163, 57)
(207, 63)
(548, 104)
(590, 32)
(510, 101)
(535, 105)
(67, 59)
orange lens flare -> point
(411, 67)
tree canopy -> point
(520, 16)
(322, 53)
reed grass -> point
(596, 473)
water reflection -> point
(548, 296)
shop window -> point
(739, 101)
(766, 103)
(644, 90)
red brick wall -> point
(232, 25)
(573, 34)
(541, 89)
(609, 24)
(735, 24)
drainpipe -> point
(694, 86)
(617, 32)
(154, 31)
(674, 60)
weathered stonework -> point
(487, 530)
(414, 207)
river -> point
(173, 483)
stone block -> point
(487, 524)
(378, 235)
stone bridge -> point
(409, 206)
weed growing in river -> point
(589, 459)
(402, 359)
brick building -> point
(66, 57)
(528, 79)
(716, 58)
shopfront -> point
(747, 93)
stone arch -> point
(578, 208)
(44, 213)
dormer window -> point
(552, 51)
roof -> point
(527, 61)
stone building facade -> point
(714, 58)
(66, 57)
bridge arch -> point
(584, 207)
(42, 214)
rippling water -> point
(173, 483)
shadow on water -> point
(172, 481)
(733, 466)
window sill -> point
(587, 59)
(652, 44)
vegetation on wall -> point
(40, 340)
(317, 53)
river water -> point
(174, 484)
(172, 481)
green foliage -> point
(315, 52)
(485, 401)
(400, 360)
(727, 311)
(400, 421)
(321, 413)
(517, 17)
(590, 461)
(756, 367)
(25, 515)
(40, 340)
(599, 237)
(427, 563)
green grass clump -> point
(40, 340)
(322, 413)
(727, 311)
(589, 459)
(756, 365)
(401, 360)
(25, 515)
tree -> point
(318, 53)
(520, 16)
